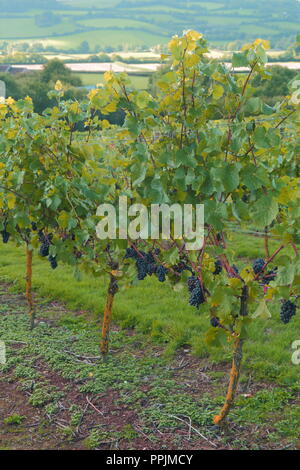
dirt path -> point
(56, 393)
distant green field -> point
(208, 5)
(26, 28)
(89, 79)
(123, 23)
(132, 24)
(91, 3)
(123, 40)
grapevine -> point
(192, 144)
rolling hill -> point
(94, 25)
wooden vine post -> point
(233, 382)
(112, 290)
(29, 256)
(235, 367)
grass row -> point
(157, 310)
(143, 381)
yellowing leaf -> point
(58, 86)
(11, 201)
(116, 273)
(10, 101)
(263, 42)
(108, 76)
(235, 282)
(247, 275)
(92, 94)
(173, 43)
(75, 108)
(123, 163)
(262, 311)
(246, 47)
(63, 219)
(194, 35)
(218, 91)
(142, 99)
(105, 124)
(192, 59)
(270, 293)
(110, 108)
(11, 134)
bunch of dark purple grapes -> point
(258, 268)
(196, 292)
(146, 264)
(45, 243)
(180, 267)
(53, 261)
(270, 276)
(287, 311)
(218, 267)
(258, 265)
(215, 322)
(5, 236)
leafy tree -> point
(55, 70)
(46, 19)
(84, 47)
(13, 87)
(275, 87)
(37, 85)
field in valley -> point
(92, 79)
(129, 25)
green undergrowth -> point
(164, 315)
(141, 378)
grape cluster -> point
(142, 268)
(258, 265)
(146, 264)
(218, 267)
(288, 310)
(235, 271)
(245, 197)
(5, 236)
(78, 254)
(215, 322)
(270, 276)
(180, 267)
(34, 226)
(235, 268)
(53, 262)
(161, 272)
(45, 243)
(130, 253)
(196, 292)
